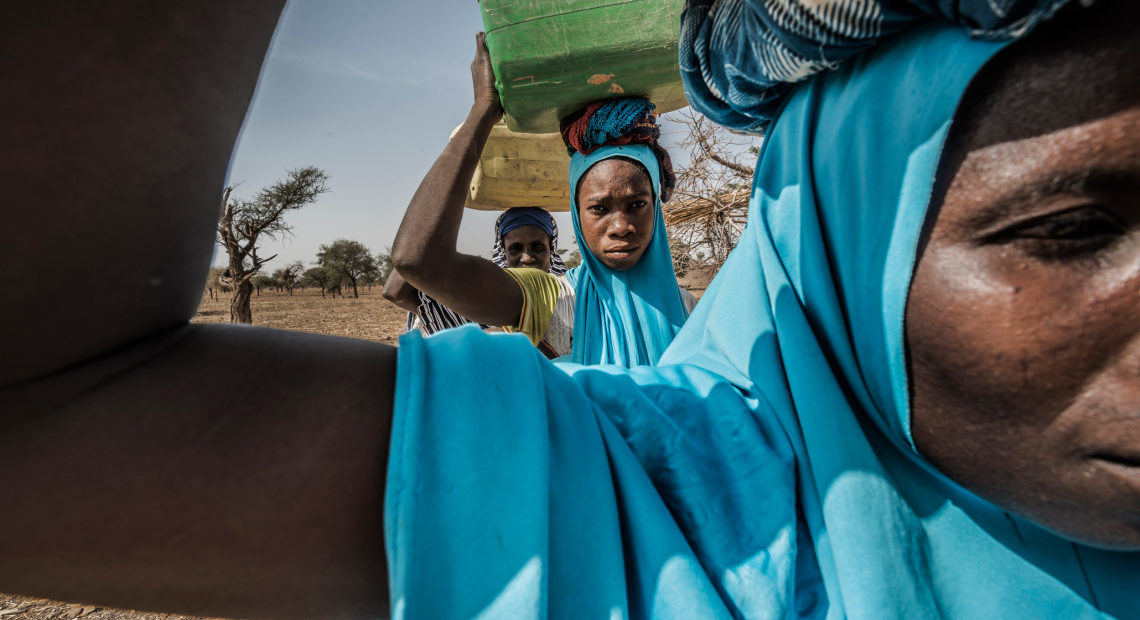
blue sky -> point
(369, 91)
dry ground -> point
(370, 317)
(18, 608)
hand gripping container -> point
(552, 57)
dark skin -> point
(1022, 319)
(425, 251)
(398, 291)
(140, 463)
(615, 206)
(141, 467)
(525, 246)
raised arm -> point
(425, 247)
(398, 291)
(145, 462)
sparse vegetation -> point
(710, 204)
(245, 222)
(349, 262)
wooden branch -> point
(731, 165)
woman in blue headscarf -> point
(622, 305)
(836, 432)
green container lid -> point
(552, 57)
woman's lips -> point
(1127, 460)
(1124, 467)
(621, 252)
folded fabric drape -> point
(764, 468)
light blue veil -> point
(624, 317)
(809, 313)
(764, 468)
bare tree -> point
(244, 222)
(710, 204)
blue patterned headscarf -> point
(740, 58)
(624, 317)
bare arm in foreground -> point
(141, 463)
(425, 248)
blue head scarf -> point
(765, 468)
(624, 317)
(517, 217)
(808, 313)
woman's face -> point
(615, 211)
(527, 246)
(1023, 321)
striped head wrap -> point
(740, 58)
(616, 122)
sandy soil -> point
(370, 317)
(19, 607)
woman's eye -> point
(514, 249)
(639, 204)
(596, 209)
(1078, 231)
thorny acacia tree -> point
(244, 222)
(261, 281)
(348, 262)
(709, 207)
(318, 277)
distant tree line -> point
(339, 266)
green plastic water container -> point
(552, 57)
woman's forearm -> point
(426, 241)
(425, 251)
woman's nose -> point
(526, 259)
(620, 225)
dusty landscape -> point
(370, 317)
